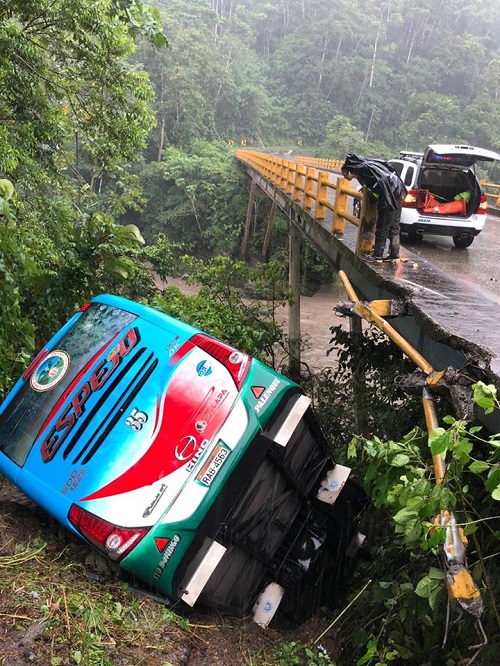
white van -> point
(444, 196)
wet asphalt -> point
(454, 294)
(478, 265)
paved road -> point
(478, 265)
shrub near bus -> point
(198, 470)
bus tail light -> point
(234, 361)
(115, 541)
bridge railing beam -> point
(491, 195)
(313, 189)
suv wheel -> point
(463, 240)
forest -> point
(118, 126)
(381, 76)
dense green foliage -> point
(116, 157)
(401, 480)
(199, 199)
(73, 113)
(400, 73)
(403, 610)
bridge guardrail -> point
(304, 181)
(491, 190)
(495, 195)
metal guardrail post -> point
(340, 204)
(276, 172)
(283, 174)
(321, 196)
(309, 189)
(300, 178)
(290, 177)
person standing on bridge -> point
(387, 189)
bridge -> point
(449, 326)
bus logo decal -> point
(203, 369)
(186, 448)
(50, 371)
(75, 408)
(267, 394)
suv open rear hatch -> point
(455, 155)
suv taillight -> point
(115, 541)
(483, 205)
(235, 361)
(410, 199)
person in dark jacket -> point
(387, 189)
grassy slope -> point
(55, 609)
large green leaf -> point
(6, 189)
(130, 232)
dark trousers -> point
(388, 228)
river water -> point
(317, 316)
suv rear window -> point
(409, 174)
(26, 414)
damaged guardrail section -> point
(463, 592)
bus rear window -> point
(23, 418)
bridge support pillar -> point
(269, 230)
(294, 313)
(248, 224)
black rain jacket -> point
(379, 176)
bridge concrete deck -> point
(449, 322)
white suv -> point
(444, 196)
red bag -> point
(453, 208)
(431, 205)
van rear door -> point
(456, 155)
